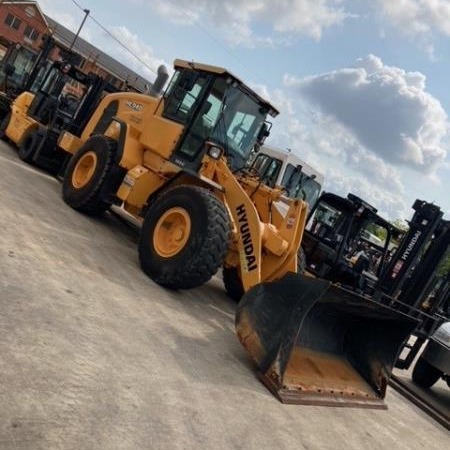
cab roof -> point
(289, 157)
(183, 64)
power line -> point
(228, 48)
(115, 38)
(202, 28)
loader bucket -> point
(316, 343)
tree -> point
(444, 267)
(400, 224)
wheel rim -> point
(172, 232)
(84, 170)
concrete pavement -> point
(94, 355)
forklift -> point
(63, 101)
(398, 271)
(410, 277)
(11, 86)
(340, 244)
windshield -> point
(305, 189)
(266, 167)
(239, 119)
(327, 223)
(299, 185)
(221, 111)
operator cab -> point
(64, 100)
(64, 97)
(338, 242)
(277, 167)
(214, 105)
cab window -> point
(268, 169)
(183, 95)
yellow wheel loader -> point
(177, 163)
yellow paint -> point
(69, 142)
(20, 123)
(274, 245)
(23, 101)
(162, 135)
(172, 232)
(84, 170)
(113, 130)
(137, 186)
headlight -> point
(442, 334)
(215, 152)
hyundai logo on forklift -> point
(246, 238)
(411, 245)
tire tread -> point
(92, 203)
(203, 264)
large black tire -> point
(424, 374)
(28, 145)
(199, 258)
(89, 197)
(233, 283)
(4, 125)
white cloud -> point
(415, 17)
(148, 64)
(71, 17)
(236, 18)
(386, 109)
(329, 147)
(421, 20)
(347, 166)
(390, 205)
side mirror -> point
(263, 133)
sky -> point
(362, 86)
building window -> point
(31, 33)
(12, 21)
(111, 79)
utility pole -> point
(86, 12)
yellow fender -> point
(20, 123)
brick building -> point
(22, 27)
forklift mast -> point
(9, 62)
(46, 108)
(420, 282)
(48, 44)
(427, 218)
(409, 282)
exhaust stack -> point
(160, 81)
